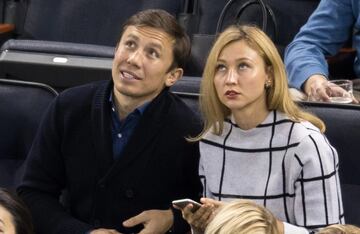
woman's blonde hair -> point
(340, 229)
(277, 96)
(243, 217)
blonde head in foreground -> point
(340, 229)
(243, 217)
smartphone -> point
(182, 203)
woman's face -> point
(240, 77)
(6, 222)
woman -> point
(14, 216)
(257, 143)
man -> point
(327, 30)
(119, 147)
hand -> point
(315, 88)
(200, 218)
(104, 231)
(154, 221)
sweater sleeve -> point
(318, 201)
(44, 180)
(326, 31)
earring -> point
(267, 84)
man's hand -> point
(315, 88)
(154, 221)
(104, 231)
(318, 89)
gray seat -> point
(22, 105)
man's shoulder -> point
(79, 94)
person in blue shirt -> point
(118, 147)
(327, 30)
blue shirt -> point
(327, 30)
(122, 130)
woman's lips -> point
(231, 93)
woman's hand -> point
(199, 219)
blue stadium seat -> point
(22, 105)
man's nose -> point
(134, 57)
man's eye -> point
(130, 44)
(154, 53)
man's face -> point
(141, 63)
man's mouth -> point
(129, 76)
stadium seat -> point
(66, 43)
(342, 130)
(22, 105)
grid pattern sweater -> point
(288, 167)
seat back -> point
(187, 88)
(86, 21)
(22, 105)
(66, 43)
(343, 132)
(280, 19)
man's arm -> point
(44, 180)
(326, 31)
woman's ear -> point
(269, 77)
(173, 76)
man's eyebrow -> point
(156, 45)
(132, 36)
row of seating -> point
(64, 43)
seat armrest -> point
(6, 28)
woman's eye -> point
(220, 67)
(243, 66)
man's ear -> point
(173, 76)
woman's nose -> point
(231, 77)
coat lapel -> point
(101, 129)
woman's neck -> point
(250, 118)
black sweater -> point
(72, 152)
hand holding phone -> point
(182, 203)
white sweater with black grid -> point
(288, 167)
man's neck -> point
(125, 104)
